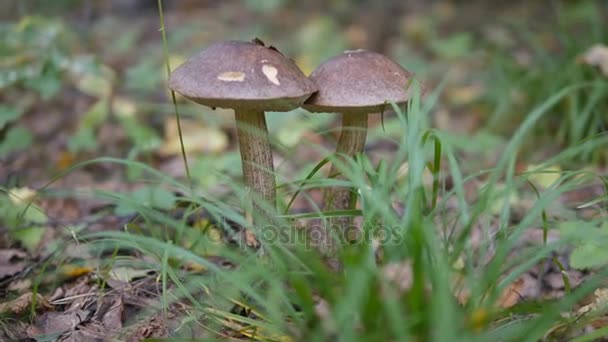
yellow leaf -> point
(21, 195)
(75, 271)
(97, 84)
(124, 107)
(198, 138)
(545, 177)
(65, 160)
(478, 319)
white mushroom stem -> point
(351, 142)
(256, 157)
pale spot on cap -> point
(231, 76)
(271, 73)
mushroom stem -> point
(351, 142)
(256, 157)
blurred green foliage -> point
(530, 65)
(36, 63)
(26, 222)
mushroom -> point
(251, 79)
(355, 84)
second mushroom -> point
(354, 84)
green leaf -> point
(17, 138)
(143, 137)
(149, 197)
(33, 214)
(588, 240)
(589, 255)
(144, 77)
(85, 138)
(47, 85)
(156, 197)
(29, 237)
(582, 232)
(8, 114)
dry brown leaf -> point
(250, 239)
(113, 317)
(599, 301)
(512, 294)
(12, 262)
(91, 332)
(23, 304)
(509, 296)
(19, 285)
(156, 327)
(64, 160)
(57, 323)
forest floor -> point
(97, 91)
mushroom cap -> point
(358, 81)
(242, 75)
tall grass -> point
(291, 292)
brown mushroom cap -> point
(358, 81)
(235, 74)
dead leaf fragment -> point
(600, 302)
(597, 55)
(155, 327)
(21, 195)
(512, 294)
(23, 304)
(11, 262)
(56, 323)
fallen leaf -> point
(75, 271)
(21, 195)
(250, 239)
(56, 323)
(113, 316)
(156, 327)
(64, 160)
(197, 137)
(97, 84)
(127, 274)
(91, 332)
(597, 55)
(464, 95)
(23, 304)
(599, 302)
(19, 285)
(11, 262)
(511, 294)
(545, 177)
(478, 319)
(123, 107)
